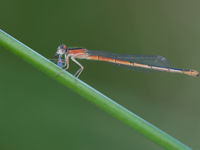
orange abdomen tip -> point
(193, 73)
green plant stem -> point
(148, 130)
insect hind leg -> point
(77, 74)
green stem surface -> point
(105, 103)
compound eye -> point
(62, 47)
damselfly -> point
(133, 62)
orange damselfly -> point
(134, 62)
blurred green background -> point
(38, 113)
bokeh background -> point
(38, 113)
